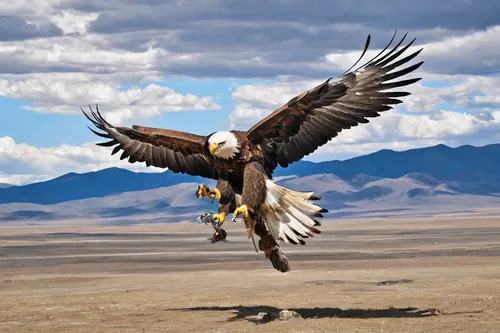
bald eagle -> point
(243, 162)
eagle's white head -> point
(223, 145)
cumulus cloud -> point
(72, 21)
(22, 163)
(255, 101)
(172, 38)
(471, 53)
(471, 92)
(79, 54)
(398, 131)
(63, 93)
(26, 8)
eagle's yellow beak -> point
(212, 147)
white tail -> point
(289, 215)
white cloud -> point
(255, 101)
(399, 131)
(65, 93)
(73, 21)
(472, 53)
(81, 53)
(22, 163)
(27, 8)
(46, 11)
(59, 74)
(465, 91)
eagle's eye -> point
(222, 143)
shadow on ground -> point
(250, 312)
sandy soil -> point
(357, 276)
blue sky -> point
(209, 65)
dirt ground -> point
(357, 276)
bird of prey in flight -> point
(243, 162)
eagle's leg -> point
(266, 242)
(271, 249)
(204, 191)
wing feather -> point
(180, 152)
(314, 117)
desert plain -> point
(433, 274)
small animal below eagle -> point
(243, 162)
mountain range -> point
(385, 181)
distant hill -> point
(465, 163)
(166, 204)
(466, 170)
(412, 195)
(73, 186)
(4, 185)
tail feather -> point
(302, 205)
(298, 199)
(302, 195)
(290, 236)
(298, 218)
(315, 230)
(272, 222)
(299, 228)
(289, 215)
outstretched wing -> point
(314, 117)
(178, 151)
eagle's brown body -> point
(243, 162)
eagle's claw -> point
(221, 217)
(204, 191)
(241, 210)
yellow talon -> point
(241, 210)
(221, 217)
(214, 194)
